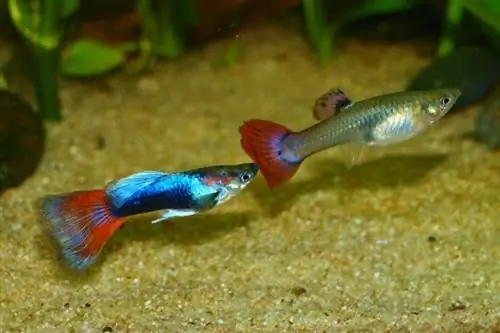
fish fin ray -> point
(330, 104)
(81, 223)
(173, 213)
(204, 203)
(354, 154)
(261, 140)
(121, 190)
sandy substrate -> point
(408, 241)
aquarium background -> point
(96, 90)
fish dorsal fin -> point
(122, 189)
(331, 103)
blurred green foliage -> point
(89, 58)
(487, 11)
(41, 24)
(163, 25)
(322, 33)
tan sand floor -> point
(408, 241)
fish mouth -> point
(456, 93)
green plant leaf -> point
(377, 7)
(69, 7)
(493, 5)
(89, 58)
(23, 17)
(486, 10)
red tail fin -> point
(81, 224)
(261, 140)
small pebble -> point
(100, 142)
(16, 226)
(298, 291)
(147, 85)
(457, 306)
(107, 329)
(431, 239)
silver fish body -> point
(377, 121)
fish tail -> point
(81, 223)
(262, 141)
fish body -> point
(377, 121)
(81, 222)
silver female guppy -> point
(377, 121)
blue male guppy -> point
(81, 222)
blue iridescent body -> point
(151, 190)
(180, 194)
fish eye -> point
(245, 177)
(444, 101)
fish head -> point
(229, 180)
(437, 102)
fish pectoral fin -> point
(354, 154)
(171, 213)
(204, 203)
(210, 200)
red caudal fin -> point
(262, 140)
(81, 223)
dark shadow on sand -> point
(184, 231)
(389, 171)
(189, 230)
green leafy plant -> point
(319, 30)
(322, 33)
(163, 25)
(453, 17)
(41, 23)
(90, 58)
(488, 11)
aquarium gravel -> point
(407, 241)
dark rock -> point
(22, 140)
(474, 70)
(487, 126)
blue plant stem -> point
(45, 56)
(454, 13)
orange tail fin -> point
(81, 223)
(261, 140)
